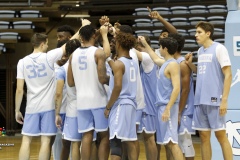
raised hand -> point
(142, 40)
(85, 22)
(104, 29)
(103, 20)
(116, 25)
(188, 58)
(153, 14)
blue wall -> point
(232, 31)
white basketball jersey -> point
(90, 92)
(140, 94)
(38, 72)
(71, 109)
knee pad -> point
(189, 151)
(116, 147)
(188, 146)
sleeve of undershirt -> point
(222, 56)
(20, 73)
(61, 74)
(54, 55)
(147, 62)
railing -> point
(26, 3)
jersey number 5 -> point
(82, 62)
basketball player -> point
(70, 132)
(186, 102)
(87, 72)
(121, 107)
(214, 79)
(64, 33)
(168, 87)
(149, 79)
(37, 70)
(168, 27)
(140, 93)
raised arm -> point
(101, 67)
(106, 45)
(139, 55)
(76, 35)
(70, 77)
(166, 24)
(156, 59)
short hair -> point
(164, 30)
(125, 40)
(37, 39)
(207, 27)
(169, 43)
(62, 42)
(71, 46)
(180, 40)
(125, 29)
(66, 28)
(86, 32)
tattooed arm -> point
(101, 67)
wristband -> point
(108, 59)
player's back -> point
(71, 109)
(40, 80)
(140, 95)
(149, 81)
(164, 86)
(129, 82)
(90, 92)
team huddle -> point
(91, 97)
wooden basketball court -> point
(10, 145)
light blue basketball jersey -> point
(109, 73)
(108, 68)
(140, 95)
(164, 86)
(149, 81)
(189, 108)
(209, 86)
(129, 82)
